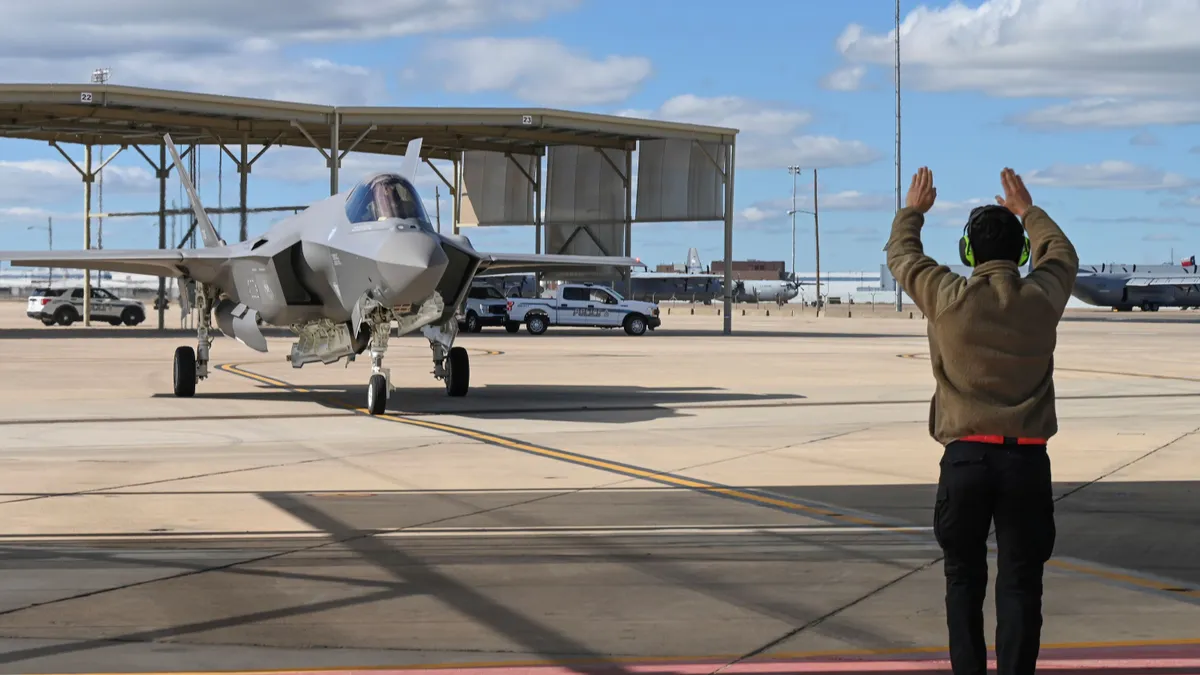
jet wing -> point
(152, 262)
(494, 264)
(1190, 280)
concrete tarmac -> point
(681, 497)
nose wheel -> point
(377, 394)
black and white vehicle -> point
(485, 306)
(582, 305)
(66, 308)
(39, 299)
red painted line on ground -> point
(810, 667)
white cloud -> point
(541, 71)
(231, 47)
(1109, 174)
(1156, 220)
(844, 200)
(37, 181)
(730, 111)
(768, 137)
(1110, 113)
(1081, 49)
(302, 165)
(1161, 236)
(1190, 201)
(755, 214)
(116, 27)
(848, 78)
(1144, 139)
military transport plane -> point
(1149, 287)
(338, 273)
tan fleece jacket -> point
(992, 335)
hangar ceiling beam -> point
(244, 165)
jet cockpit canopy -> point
(386, 196)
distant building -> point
(753, 269)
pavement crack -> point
(1126, 465)
(827, 616)
(325, 457)
(768, 451)
(273, 556)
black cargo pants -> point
(1011, 484)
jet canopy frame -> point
(582, 202)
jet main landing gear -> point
(450, 364)
(191, 366)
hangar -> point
(582, 202)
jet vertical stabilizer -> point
(207, 231)
(412, 160)
(693, 262)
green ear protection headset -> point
(964, 245)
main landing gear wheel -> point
(185, 371)
(377, 393)
(458, 372)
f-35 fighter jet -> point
(338, 274)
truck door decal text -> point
(589, 312)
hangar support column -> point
(89, 176)
(451, 186)
(728, 282)
(244, 165)
(162, 171)
(334, 155)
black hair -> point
(996, 234)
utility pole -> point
(795, 171)
(899, 203)
(817, 234)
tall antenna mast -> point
(899, 203)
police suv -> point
(65, 307)
(582, 305)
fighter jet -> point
(338, 274)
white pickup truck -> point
(583, 305)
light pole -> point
(899, 291)
(50, 231)
(795, 171)
(816, 234)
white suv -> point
(66, 307)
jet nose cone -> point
(411, 264)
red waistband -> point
(1003, 440)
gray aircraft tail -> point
(412, 160)
(693, 262)
(207, 231)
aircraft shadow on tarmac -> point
(614, 405)
(1110, 523)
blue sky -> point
(1100, 116)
